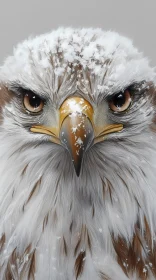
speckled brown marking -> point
(148, 233)
(13, 192)
(79, 264)
(107, 187)
(24, 170)
(77, 246)
(2, 242)
(93, 210)
(84, 238)
(55, 217)
(89, 242)
(57, 184)
(12, 269)
(5, 97)
(123, 181)
(8, 274)
(137, 255)
(25, 261)
(55, 200)
(45, 221)
(27, 250)
(19, 267)
(71, 227)
(70, 206)
(38, 183)
(31, 272)
(63, 247)
(110, 187)
(23, 208)
(103, 276)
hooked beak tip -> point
(77, 168)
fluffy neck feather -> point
(63, 220)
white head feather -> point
(47, 211)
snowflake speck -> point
(144, 270)
(79, 142)
(74, 129)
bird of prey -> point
(77, 159)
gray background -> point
(133, 18)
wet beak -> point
(77, 135)
(76, 130)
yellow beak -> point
(76, 130)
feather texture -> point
(53, 224)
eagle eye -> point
(32, 102)
(121, 101)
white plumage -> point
(101, 224)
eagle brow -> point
(21, 90)
(137, 88)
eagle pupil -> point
(119, 100)
(35, 101)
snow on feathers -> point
(55, 225)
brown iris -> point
(33, 103)
(120, 101)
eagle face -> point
(77, 136)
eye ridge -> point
(121, 101)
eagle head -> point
(77, 159)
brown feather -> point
(139, 254)
(79, 264)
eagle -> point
(77, 159)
